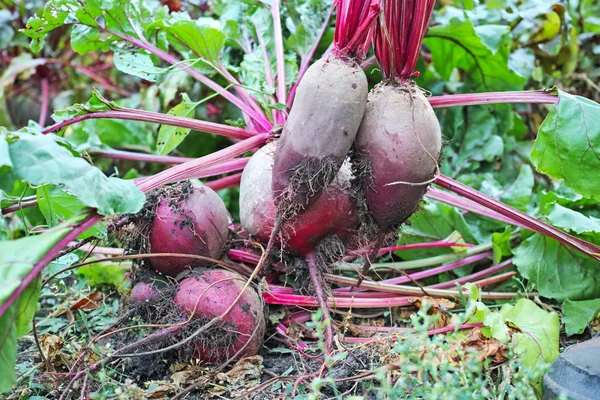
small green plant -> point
(429, 367)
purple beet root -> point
(242, 329)
(399, 142)
(189, 220)
(333, 212)
(319, 132)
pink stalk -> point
(45, 102)
(277, 33)
(368, 63)
(236, 164)
(306, 59)
(469, 205)
(471, 278)
(142, 157)
(268, 72)
(150, 116)
(518, 216)
(411, 290)
(19, 206)
(425, 245)
(471, 99)
(262, 120)
(306, 301)
(430, 272)
(49, 256)
(495, 279)
(185, 170)
(225, 183)
(243, 256)
(233, 165)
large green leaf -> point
(17, 258)
(484, 59)
(202, 41)
(573, 221)
(568, 144)
(577, 315)
(557, 271)
(540, 331)
(124, 17)
(8, 349)
(40, 160)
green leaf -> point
(138, 64)
(17, 258)
(571, 220)
(53, 16)
(8, 350)
(558, 272)
(202, 41)
(568, 144)
(538, 340)
(519, 193)
(433, 221)
(5, 162)
(492, 36)
(485, 61)
(27, 306)
(39, 160)
(95, 103)
(169, 137)
(103, 274)
(501, 244)
(577, 315)
(58, 206)
(85, 39)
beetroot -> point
(190, 220)
(400, 140)
(325, 116)
(143, 292)
(319, 132)
(210, 293)
(149, 289)
(333, 212)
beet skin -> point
(333, 212)
(210, 293)
(195, 222)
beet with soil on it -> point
(399, 141)
(326, 113)
(188, 220)
(208, 294)
(332, 213)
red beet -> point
(189, 220)
(333, 212)
(326, 113)
(148, 289)
(143, 292)
(319, 132)
(242, 329)
(400, 140)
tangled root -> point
(309, 178)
